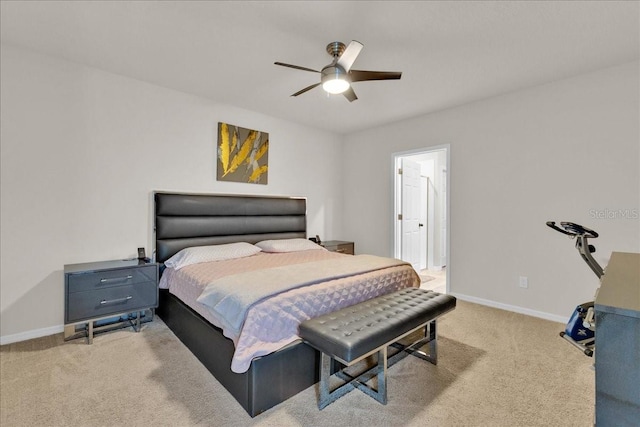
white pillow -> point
(198, 254)
(288, 245)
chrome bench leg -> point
(431, 337)
(380, 371)
(328, 396)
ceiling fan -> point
(337, 77)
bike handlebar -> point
(573, 229)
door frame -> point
(396, 230)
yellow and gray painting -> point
(243, 154)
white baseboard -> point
(36, 333)
(516, 309)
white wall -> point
(83, 149)
(566, 151)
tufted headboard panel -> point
(184, 220)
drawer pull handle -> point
(341, 250)
(116, 279)
(112, 301)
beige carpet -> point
(425, 278)
(495, 368)
(436, 280)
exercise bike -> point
(580, 330)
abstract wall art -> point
(243, 154)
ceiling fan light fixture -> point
(334, 80)
(335, 86)
(337, 77)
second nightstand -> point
(339, 246)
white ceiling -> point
(450, 53)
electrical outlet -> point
(523, 282)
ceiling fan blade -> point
(361, 76)
(300, 92)
(350, 94)
(349, 55)
(297, 67)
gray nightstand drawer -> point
(340, 246)
(346, 248)
(110, 300)
(96, 280)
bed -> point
(257, 381)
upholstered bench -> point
(354, 333)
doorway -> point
(421, 213)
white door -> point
(424, 201)
(431, 226)
(443, 218)
(410, 222)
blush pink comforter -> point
(273, 322)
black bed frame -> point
(184, 220)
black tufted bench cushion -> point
(353, 333)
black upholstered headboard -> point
(184, 220)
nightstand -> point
(96, 293)
(339, 246)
